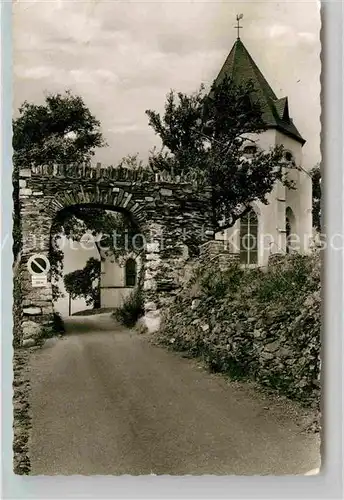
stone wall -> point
(261, 325)
(170, 212)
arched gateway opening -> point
(169, 211)
(96, 255)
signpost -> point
(38, 266)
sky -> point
(123, 57)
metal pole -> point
(70, 305)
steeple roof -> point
(240, 67)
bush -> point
(131, 310)
(58, 324)
(218, 284)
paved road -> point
(108, 402)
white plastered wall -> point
(113, 291)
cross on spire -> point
(238, 27)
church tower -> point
(285, 224)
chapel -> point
(285, 224)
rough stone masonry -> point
(170, 213)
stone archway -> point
(161, 205)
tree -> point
(85, 283)
(204, 134)
(316, 197)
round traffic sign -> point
(38, 264)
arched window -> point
(288, 233)
(249, 238)
(290, 229)
(130, 272)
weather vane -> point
(238, 27)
